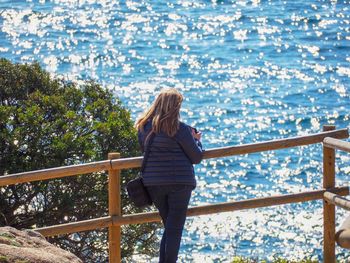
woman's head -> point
(164, 112)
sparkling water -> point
(249, 70)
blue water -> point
(249, 70)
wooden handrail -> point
(234, 205)
(74, 227)
(330, 194)
(276, 144)
(134, 162)
(114, 209)
(249, 148)
(193, 211)
(56, 172)
(336, 144)
(337, 200)
(328, 209)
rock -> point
(30, 247)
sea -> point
(250, 71)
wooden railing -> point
(342, 237)
(114, 164)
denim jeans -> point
(171, 202)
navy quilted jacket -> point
(170, 159)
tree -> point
(46, 122)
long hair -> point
(164, 113)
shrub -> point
(46, 122)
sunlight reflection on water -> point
(250, 71)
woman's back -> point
(170, 158)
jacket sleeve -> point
(199, 144)
(191, 147)
(140, 139)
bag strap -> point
(147, 147)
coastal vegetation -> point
(49, 122)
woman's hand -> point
(196, 134)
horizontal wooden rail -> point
(73, 227)
(249, 148)
(193, 211)
(135, 162)
(276, 144)
(337, 200)
(56, 172)
(337, 144)
(234, 205)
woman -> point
(168, 171)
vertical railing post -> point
(328, 209)
(114, 209)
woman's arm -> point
(192, 149)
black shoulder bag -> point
(137, 192)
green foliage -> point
(241, 260)
(10, 240)
(15, 243)
(281, 260)
(4, 259)
(47, 122)
(7, 235)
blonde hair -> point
(164, 112)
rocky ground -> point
(30, 247)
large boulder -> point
(30, 247)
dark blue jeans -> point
(172, 202)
